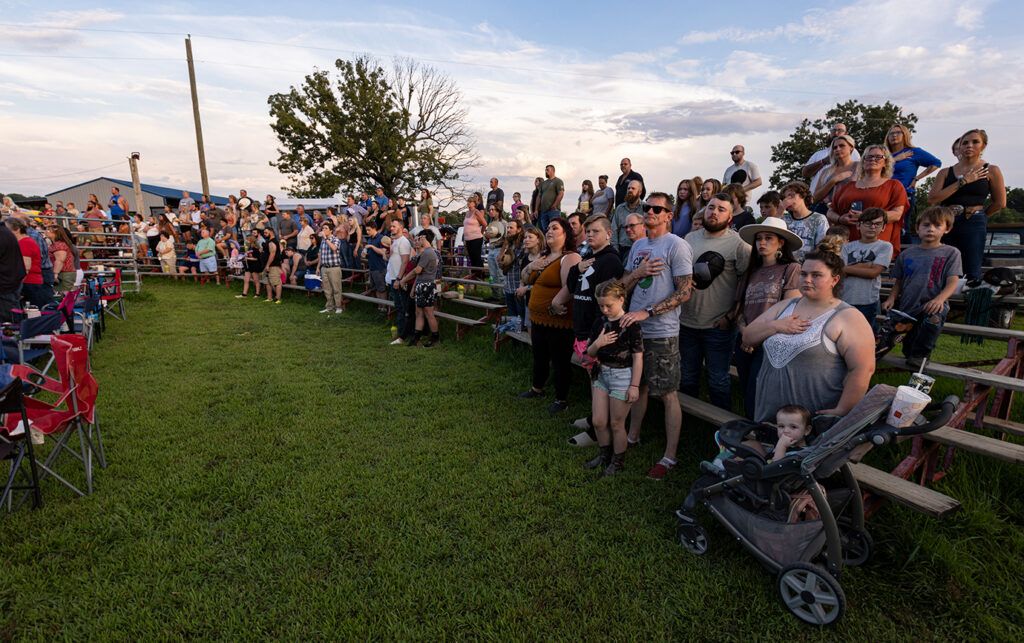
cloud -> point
(691, 119)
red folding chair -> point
(111, 293)
(65, 417)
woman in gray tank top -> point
(818, 352)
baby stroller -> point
(754, 499)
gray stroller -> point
(754, 500)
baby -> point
(793, 423)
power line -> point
(57, 176)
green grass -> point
(277, 474)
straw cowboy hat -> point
(774, 225)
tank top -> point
(114, 205)
(472, 230)
(972, 194)
(804, 369)
(542, 294)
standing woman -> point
(708, 189)
(965, 187)
(907, 160)
(838, 172)
(473, 232)
(64, 257)
(686, 205)
(551, 332)
(153, 234)
(773, 275)
(273, 214)
(585, 204)
(872, 187)
(511, 249)
(534, 247)
(426, 205)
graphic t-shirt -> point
(923, 273)
(811, 229)
(678, 259)
(708, 305)
(607, 265)
(618, 354)
(858, 291)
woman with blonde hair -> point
(872, 187)
(708, 189)
(840, 169)
(907, 160)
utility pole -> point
(133, 164)
(195, 115)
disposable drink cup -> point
(921, 382)
(907, 405)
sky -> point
(672, 85)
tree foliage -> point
(400, 129)
(867, 124)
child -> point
(926, 276)
(793, 425)
(770, 204)
(615, 379)
(165, 251)
(866, 259)
(190, 263)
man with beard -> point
(583, 280)
(707, 331)
(659, 275)
(632, 205)
(627, 177)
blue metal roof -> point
(167, 193)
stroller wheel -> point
(811, 594)
(694, 538)
(857, 547)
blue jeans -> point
(348, 260)
(513, 305)
(871, 312)
(920, 341)
(711, 349)
(968, 236)
(547, 217)
(748, 365)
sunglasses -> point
(656, 209)
(874, 157)
(734, 152)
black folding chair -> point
(17, 448)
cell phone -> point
(857, 205)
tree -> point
(401, 130)
(867, 124)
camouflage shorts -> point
(661, 366)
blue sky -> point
(672, 85)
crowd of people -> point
(652, 293)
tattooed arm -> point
(684, 288)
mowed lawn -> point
(276, 473)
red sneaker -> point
(660, 470)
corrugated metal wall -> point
(101, 187)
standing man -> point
(632, 205)
(819, 159)
(12, 272)
(376, 260)
(185, 204)
(289, 230)
(330, 269)
(707, 332)
(381, 200)
(354, 209)
(659, 275)
(752, 175)
(495, 197)
(117, 206)
(604, 197)
(272, 257)
(401, 249)
(551, 192)
(622, 183)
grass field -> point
(274, 473)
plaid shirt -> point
(330, 258)
(513, 276)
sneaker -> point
(327, 310)
(241, 296)
(277, 301)
(557, 407)
(632, 443)
(338, 312)
(600, 460)
(531, 393)
(660, 469)
(268, 301)
(398, 341)
(613, 468)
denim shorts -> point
(613, 381)
(208, 265)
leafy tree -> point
(867, 124)
(399, 129)
(1015, 199)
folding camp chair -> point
(64, 418)
(31, 339)
(111, 293)
(89, 315)
(16, 446)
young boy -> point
(809, 226)
(770, 204)
(866, 259)
(926, 276)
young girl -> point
(615, 379)
(165, 251)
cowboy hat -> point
(774, 225)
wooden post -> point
(133, 164)
(195, 115)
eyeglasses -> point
(656, 209)
(874, 157)
(633, 225)
(877, 223)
